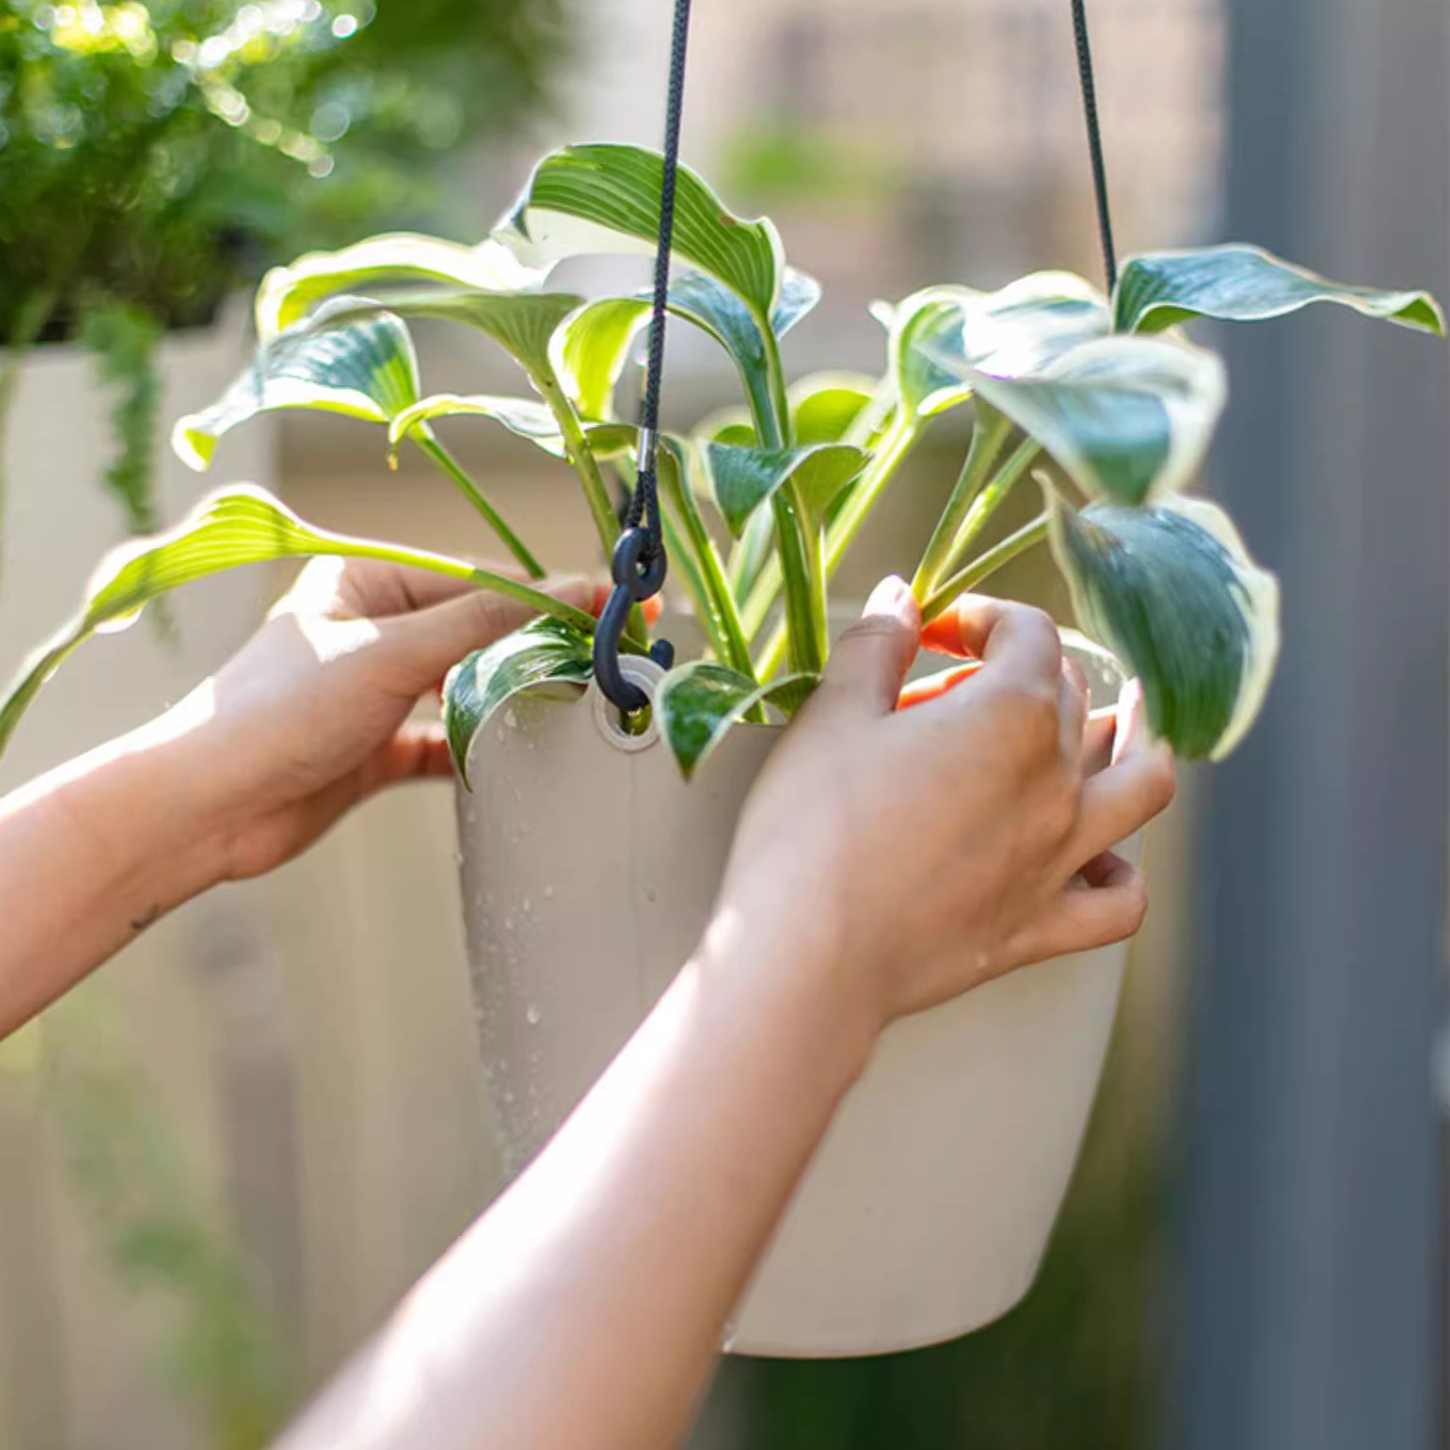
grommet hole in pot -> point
(636, 732)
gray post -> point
(1312, 1224)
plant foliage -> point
(762, 502)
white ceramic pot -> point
(589, 869)
(57, 520)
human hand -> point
(312, 716)
(913, 854)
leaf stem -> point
(896, 443)
(429, 445)
(990, 499)
(988, 438)
(801, 549)
(576, 445)
(723, 619)
(984, 566)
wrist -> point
(795, 980)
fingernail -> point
(1132, 726)
(892, 597)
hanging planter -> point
(593, 839)
(955, 1148)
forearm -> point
(90, 855)
(586, 1307)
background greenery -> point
(155, 157)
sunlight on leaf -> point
(338, 362)
(584, 200)
(235, 526)
(744, 478)
(287, 294)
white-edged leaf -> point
(940, 335)
(1171, 589)
(543, 652)
(591, 347)
(584, 200)
(230, 528)
(799, 295)
(364, 369)
(742, 479)
(522, 323)
(527, 417)
(288, 293)
(697, 703)
(1235, 282)
(1124, 416)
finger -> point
(653, 607)
(428, 642)
(1105, 903)
(1132, 720)
(1097, 740)
(419, 751)
(869, 662)
(1072, 709)
(1122, 799)
(933, 687)
(1012, 637)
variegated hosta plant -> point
(763, 502)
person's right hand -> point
(911, 855)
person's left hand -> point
(312, 715)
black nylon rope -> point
(644, 506)
(639, 562)
(1095, 139)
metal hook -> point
(633, 583)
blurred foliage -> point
(159, 154)
(162, 1233)
(156, 156)
(785, 165)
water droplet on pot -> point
(548, 893)
(510, 719)
(533, 1016)
(526, 906)
(508, 923)
(649, 893)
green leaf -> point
(697, 703)
(545, 651)
(799, 295)
(1239, 283)
(1123, 416)
(287, 294)
(940, 335)
(591, 347)
(825, 406)
(522, 323)
(527, 417)
(584, 200)
(743, 478)
(1172, 590)
(235, 526)
(350, 357)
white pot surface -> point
(589, 870)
